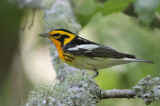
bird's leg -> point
(83, 72)
(95, 73)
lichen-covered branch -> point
(82, 90)
(148, 89)
(75, 90)
(116, 93)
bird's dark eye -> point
(57, 34)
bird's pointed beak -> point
(44, 35)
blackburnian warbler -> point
(84, 54)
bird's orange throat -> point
(56, 43)
(59, 48)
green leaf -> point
(84, 15)
(84, 9)
(112, 6)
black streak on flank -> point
(68, 57)
(68, 60)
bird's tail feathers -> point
(138, 60)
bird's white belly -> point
(96, 62)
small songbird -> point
(84, 54)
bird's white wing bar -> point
(86, 47)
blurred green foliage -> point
(106, 24)
(158, 7)
(146, 10)
(81, 8)
(112, 6)
(10, 18)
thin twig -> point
(116, 93)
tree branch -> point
(116, 93)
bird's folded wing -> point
(95, 50)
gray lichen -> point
(75, 90)
(148, 89)
(60, 15)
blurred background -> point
(130, 26)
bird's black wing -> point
(83, 47)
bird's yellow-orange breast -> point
(66, 57)
(60, 50)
